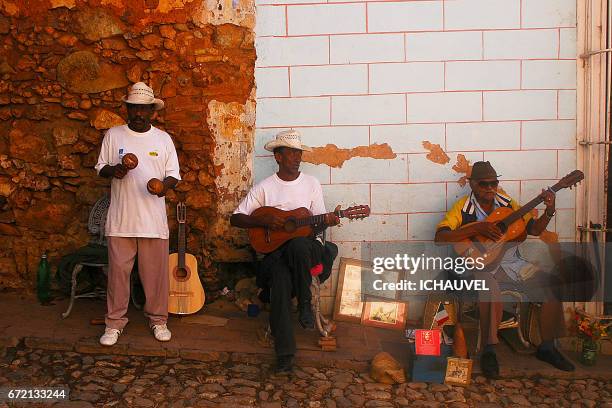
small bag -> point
(533, 335)
(386, 370)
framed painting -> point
(458, 371)
(383, 313)
(348, 304)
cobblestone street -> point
(126, 381)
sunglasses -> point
(486, 184)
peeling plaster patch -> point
(231, 121)
(232, 126)
(436, 154)
(462, 166)
(217, 12)
(335, 157)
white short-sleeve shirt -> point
(305, 191)
(133, 211)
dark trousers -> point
(286, 272)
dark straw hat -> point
(483, 170)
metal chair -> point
(95, 226)
(510, 320)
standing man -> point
(136, 223)
(287, 271)
(513, 273)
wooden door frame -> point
(592, 113)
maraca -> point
(130, 161)
(155, 186)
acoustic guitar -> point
(512, 226)
(186, 295)
(298, 223)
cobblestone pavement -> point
(125, 381)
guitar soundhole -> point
(181, 274)
(502, 227)
(290, 225)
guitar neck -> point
(181, 245)
(528, 207)
(314, 219)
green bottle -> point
(42, 279)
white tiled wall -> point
(482, 14)
(488, 79)
(326, 19)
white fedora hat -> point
(288, 138)
(141, 94)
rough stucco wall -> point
(64, 66)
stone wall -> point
(64, 66)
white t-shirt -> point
(133, 211)
(304, 191)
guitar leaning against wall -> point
(186, 295)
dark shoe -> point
(555, 358)
(306, 318)
(284, 364)
(489, 365)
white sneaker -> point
(161, 332)
(110, 336)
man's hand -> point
(272, 221)
(163, 192)
(536, 227)
(549, 200)
(332, 219)
(119, 171)
(160, 188)
(487, 229)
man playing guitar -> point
(513, 273)
(287, 270)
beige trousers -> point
(153, 272)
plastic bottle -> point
(43, 279)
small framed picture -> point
(458, 371)
(348, 304)
(385, 314)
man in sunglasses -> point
(513, 273)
